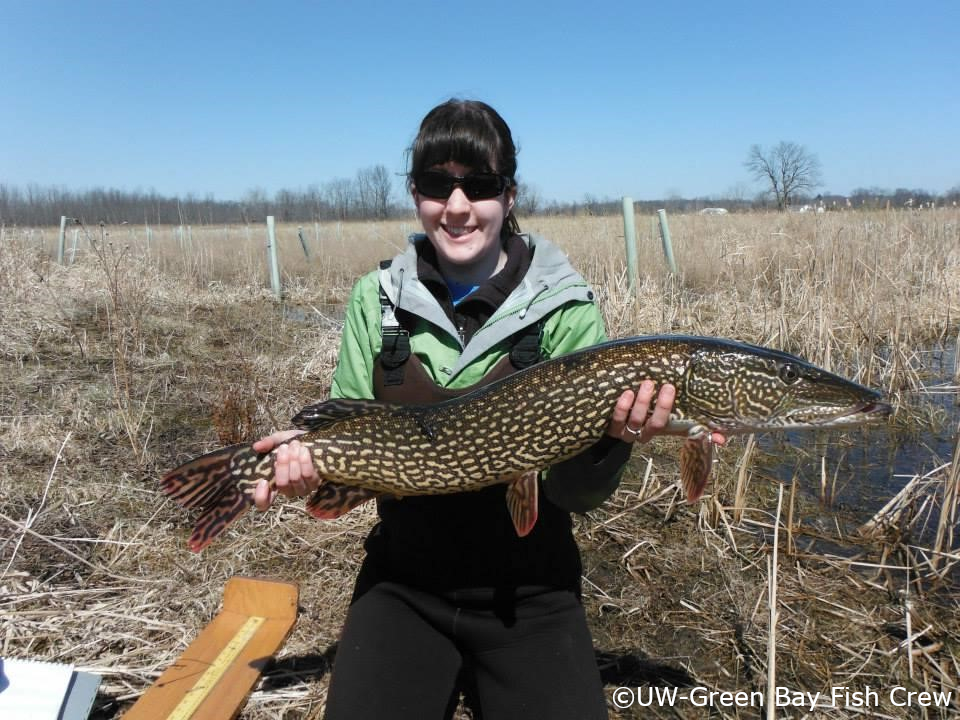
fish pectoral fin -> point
(523, 502)
(333, 499)
(696, 462)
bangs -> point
(469, 133)
(457, 144)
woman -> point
(449, 598)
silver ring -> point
(635, 433)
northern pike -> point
(510, 430)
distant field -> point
(157, 344)
(812, 280)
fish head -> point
(746, 388)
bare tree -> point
(341, 197)
(374, 187)
(528, 199)
(787, 167)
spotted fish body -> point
(534, 418)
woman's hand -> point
(293, 472)
(632, 421)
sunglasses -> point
(476, 186)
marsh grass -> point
(154, 347)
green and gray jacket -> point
(551, 289)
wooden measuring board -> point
(214, 675)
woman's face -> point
(465, 233)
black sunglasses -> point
(476, 186)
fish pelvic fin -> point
(221, 484)
(696, 462)
(523, 502)
(332, 499)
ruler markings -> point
(198, 693)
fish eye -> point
(789, 373)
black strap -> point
(394, 341)
(526, 345)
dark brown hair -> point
(471, 133)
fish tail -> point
(221, 484)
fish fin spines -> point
(332, 499)
(523, 502)
(696, 463)
(328, 412)
(221, 484)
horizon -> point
(649, 103)
(400, 200)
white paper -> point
(32, 689)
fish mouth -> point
(871, 411)
(876, 408)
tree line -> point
(369, 195)
(376, 194)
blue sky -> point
(604, 98)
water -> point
(866, 467)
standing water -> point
(853, 475)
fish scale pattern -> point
(528, 421)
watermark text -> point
(835, 697)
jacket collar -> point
(491, 294)
(549, 282)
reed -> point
(949, 516)
(144, 353)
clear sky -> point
(604, 98)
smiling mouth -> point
(454, 231)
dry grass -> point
(138, 357)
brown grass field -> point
(140, 355)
